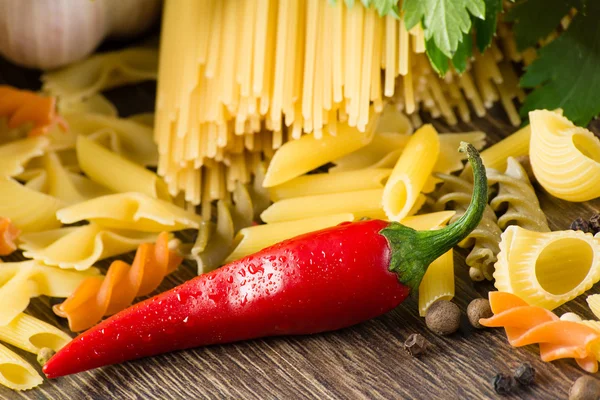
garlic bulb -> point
(52, 33)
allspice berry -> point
(443, 317)
(477, 309)
(585, 388)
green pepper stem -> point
(413, 251)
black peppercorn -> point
(594, 223)
(503, 384)
(525, 374)
(580, 225)
(415, 344)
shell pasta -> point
(565, 159)
(14, 155)
(547, 269)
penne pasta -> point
(16, 373)
(255, 238)
(363, 203)
(410, 174)
(117, 173)
(32, 335)
(315, 184)
(307, 153)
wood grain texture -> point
(366, 361)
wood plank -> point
(366, 361)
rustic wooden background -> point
(366, 361)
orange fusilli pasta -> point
(98, 297)
(525, 324)
(8, 235)
(23, 106)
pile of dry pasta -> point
(251, 101)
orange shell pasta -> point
(8, 234)
(557, 338)
(22, 106)
(98, 297)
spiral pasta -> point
(8, 234)
(525, 324)
(565, 159)
(516, 199)
(96, 297)
(455, 194)
(547, 269)
(24, 106)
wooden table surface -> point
(364, 361)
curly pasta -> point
(24, 106)
(8, 234)
(525, 324)
(96, 297)
(455, 193)
(517, 198)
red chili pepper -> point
(316, 282)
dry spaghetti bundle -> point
(241, 78)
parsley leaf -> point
(486, 29)
(536, 19)
(565, 74)
(444, 21)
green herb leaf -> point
(438, 60)
(566, 71)
(536, 19)
(486, 29)
(463, 53)
(444, 21)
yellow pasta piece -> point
(547, 269)
(31, 334)
(80, 247)
(14, 155)
(565, 159)
(100, 72)
(428, 221)
(437, 283)
(363, 203)
(29, 210)
(146, 119)
(128, 138)
(95, 104)
(131, 211)
(20, 281)
(516, 199)
(117, 173)
(16, 373)
(382, 152)
(594, 304)
(315, 184)
(393, 121)
(410, 174)
(307, 153)
(55, 180)
(514, 145)
(255, 238)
